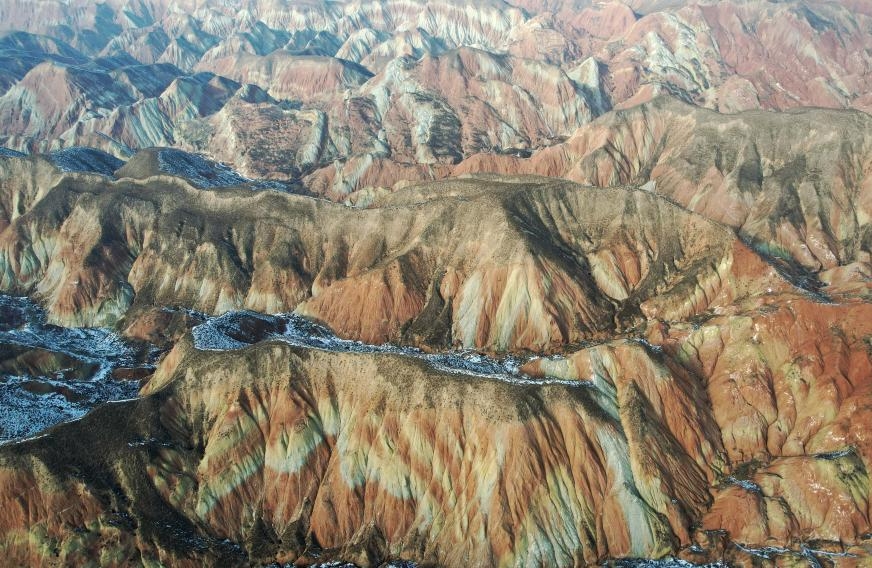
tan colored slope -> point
(293, 454)
(288, 451)
(488, 263)
(23, 182)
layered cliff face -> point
(552, 263)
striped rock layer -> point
(706, 441)
(498, 263)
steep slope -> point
(287, 76)
(76, 92)
(24, 180)
(284, 453)
(551, 263)
(130, 107)
(20, 52)
(795, 185)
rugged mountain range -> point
(718, 394)
(537, 283)
(796, 184)
(425, 264)
(280, 90)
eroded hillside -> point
(432, 283)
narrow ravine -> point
(232, 330)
